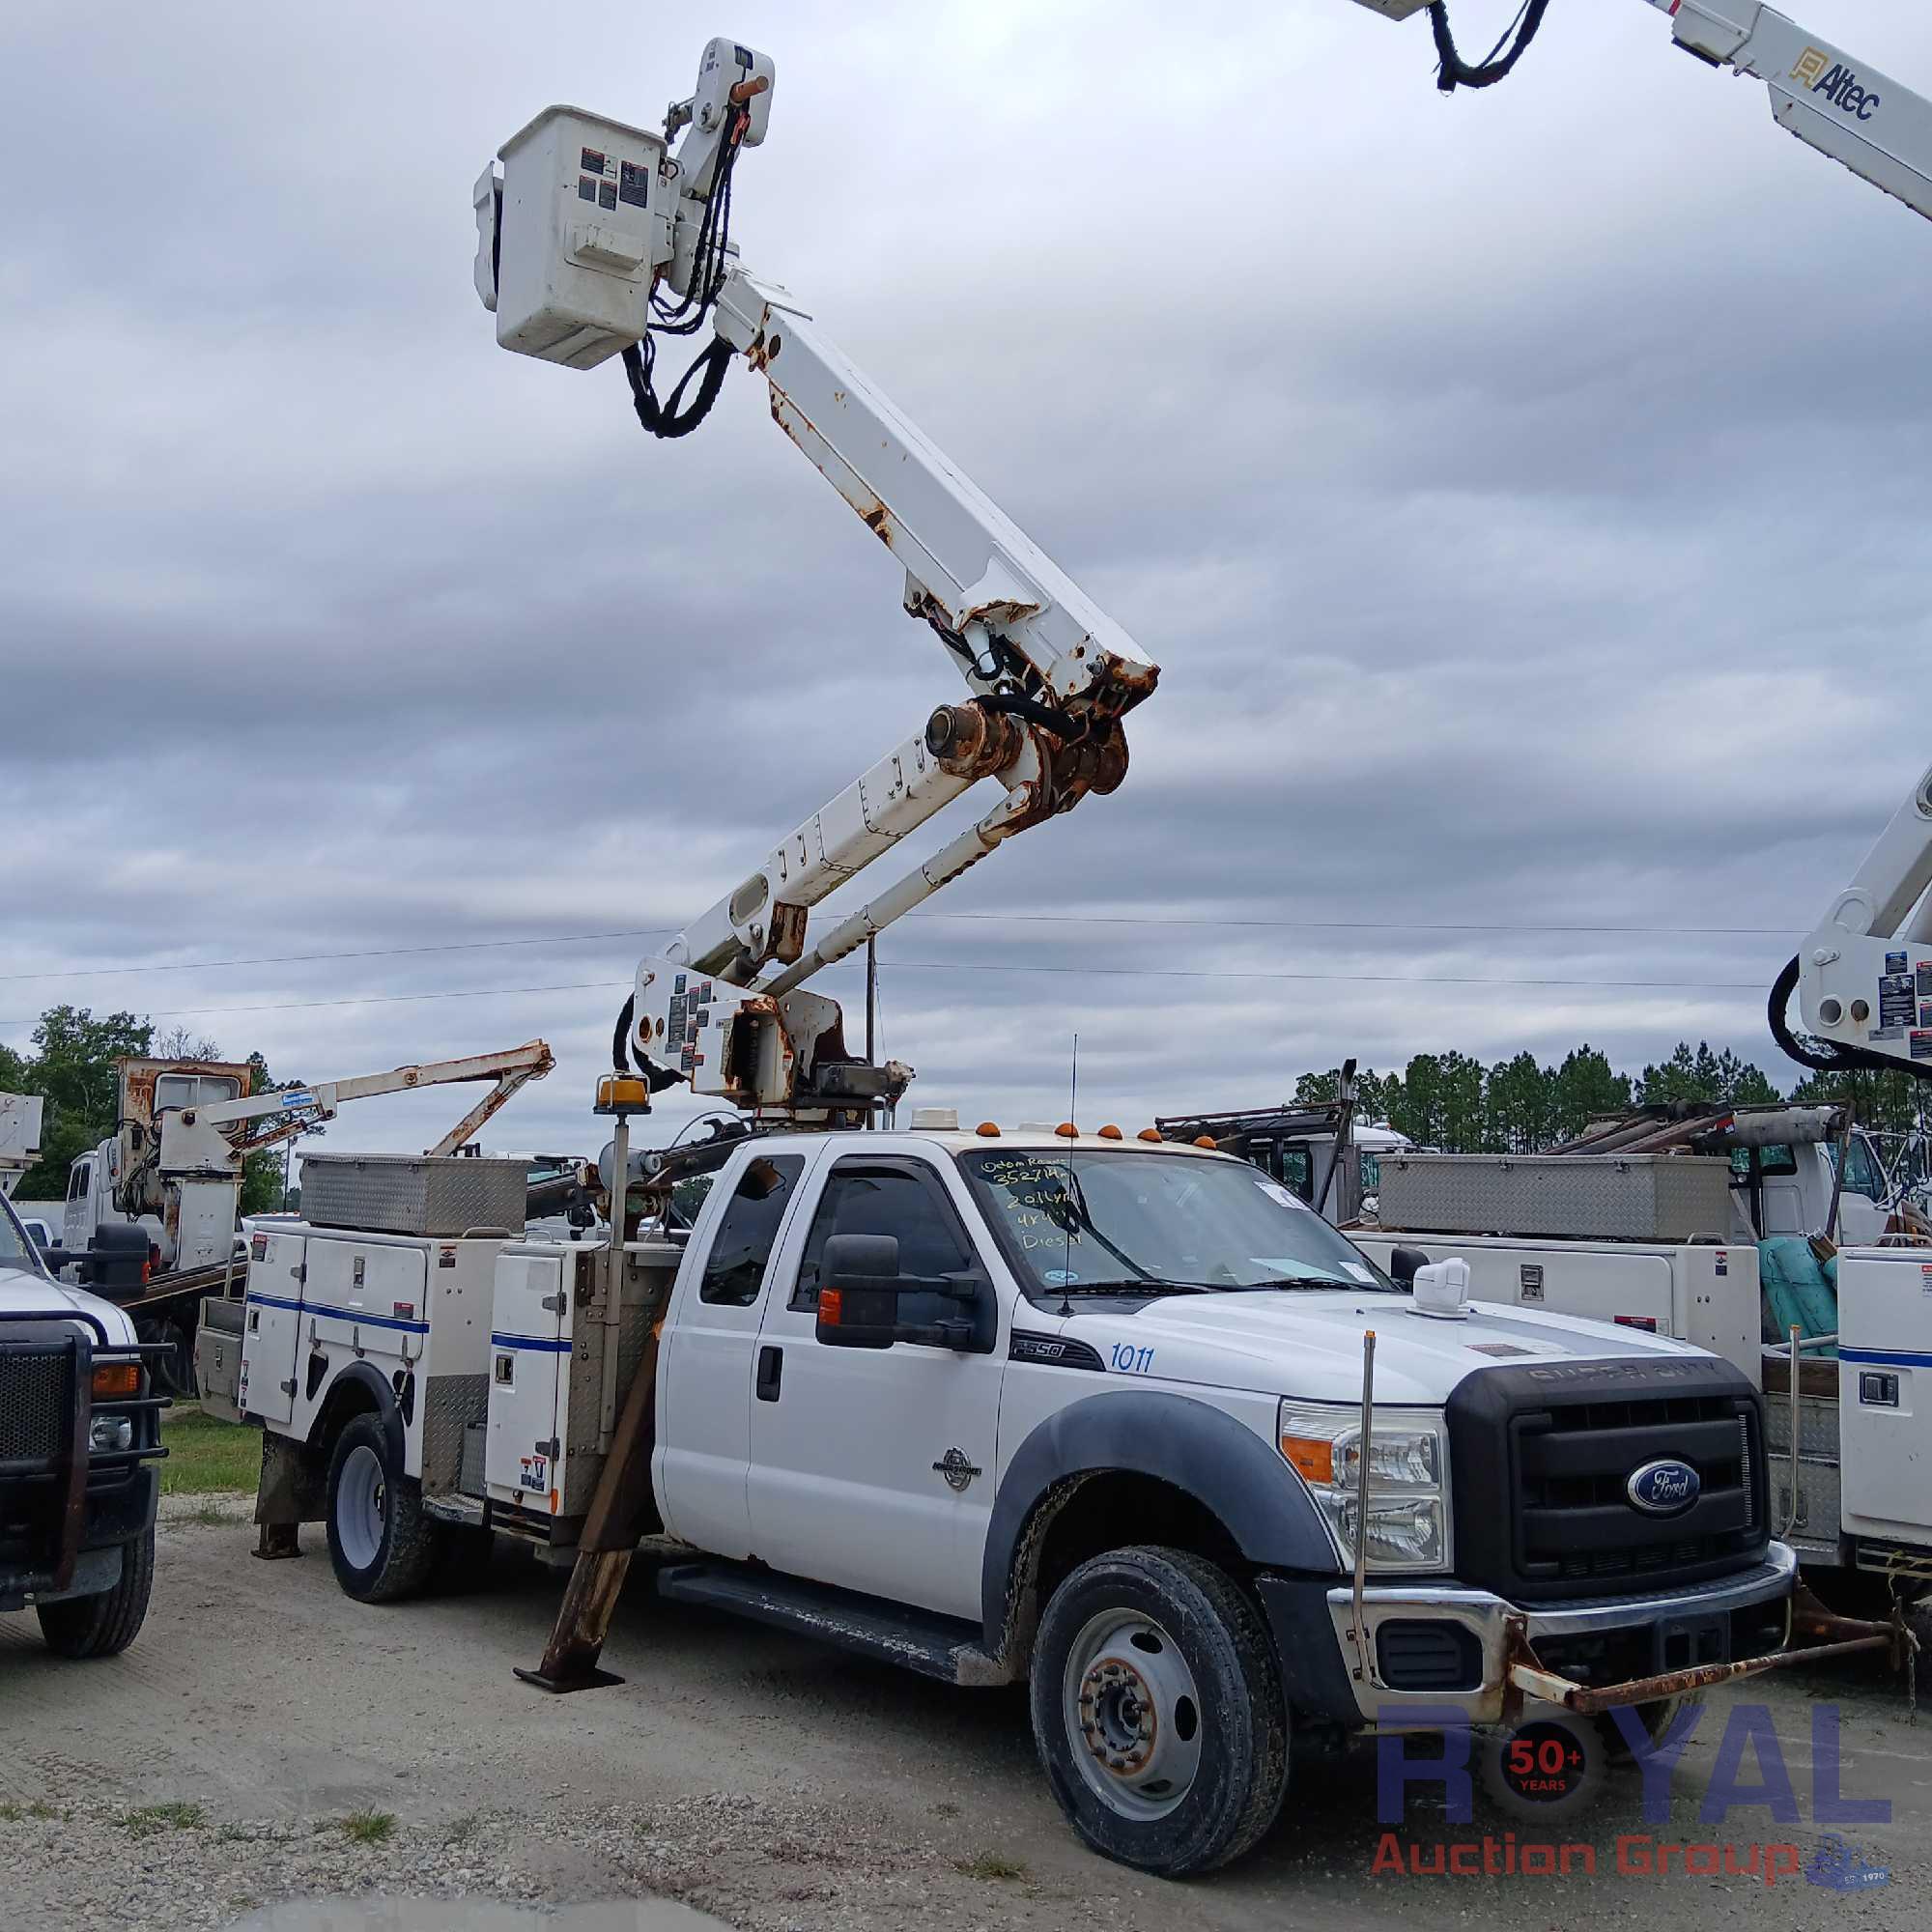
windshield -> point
(1093, 1221)
(15, 1250)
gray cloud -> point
(1522, 495)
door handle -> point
(771, 1367)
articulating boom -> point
(592, 230)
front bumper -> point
(1634, 1635)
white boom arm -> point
(1864, 976)
(1839, 105)
(1049, 675)
(215, 1138)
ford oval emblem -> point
(1663, 1487)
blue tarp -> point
(1799, 1288)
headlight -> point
(1409, 1507)
(108, 1432)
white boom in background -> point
(1840, 106)
(598, 240)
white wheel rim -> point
(359, 1498)
(1133, 1715)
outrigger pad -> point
(277, 1542)
(563, 1686)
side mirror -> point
(859, 1292)
(1403, 1265)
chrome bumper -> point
(1505, 1633)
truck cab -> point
(80, 1429)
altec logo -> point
(1836, 81)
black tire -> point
(390, 1554)
(1237, 1734)
(174, 1372)
(106, 1624)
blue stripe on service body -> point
(538, 1342)
(359, 1315)
(1903, 1358)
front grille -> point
(1575, 1520)
(36, 1404)
(1560, 1444)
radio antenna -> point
(1072, 1120)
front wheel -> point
(1157, 1711)
(382, 1542)
(104, 1625)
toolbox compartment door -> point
(270, 1325)
(528, 1346)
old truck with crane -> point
(154, 1211)
(1120, 1419)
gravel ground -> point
(263, 1722)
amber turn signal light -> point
(117, 1379)
(1312, 1456)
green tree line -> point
(71, 1066)
(1522, 1105)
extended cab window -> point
(734, 1270)
(868, 1198)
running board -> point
(921, 1640)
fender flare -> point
(360, 1375)
(1189, 1444)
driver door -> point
(873, 1467)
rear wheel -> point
(1157, 1711)
(381, 1542)
(106, 1624)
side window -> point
(1296, 1172)
(1861, 1174)
(77, 1188)
(734, 1270)
(1776, 1160)
(870, 1200)
(1371, 1175)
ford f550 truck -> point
(79, 1433)
(1081, 1411)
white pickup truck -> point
(79, 1432)
(1081, 1411)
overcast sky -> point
(1524, 493)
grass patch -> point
(151, 1819)
(13, 1813)
(205, 1454)
(990, 1865)
(368, 1827)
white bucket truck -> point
(1075, 1410)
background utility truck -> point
(79, 1432)
(1123, 1420)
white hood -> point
(24, 1292)
(1308, 1343)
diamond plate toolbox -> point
(1643, 1197)
(413, 1193)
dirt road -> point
(252, 1745)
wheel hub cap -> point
(1133, 1715)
